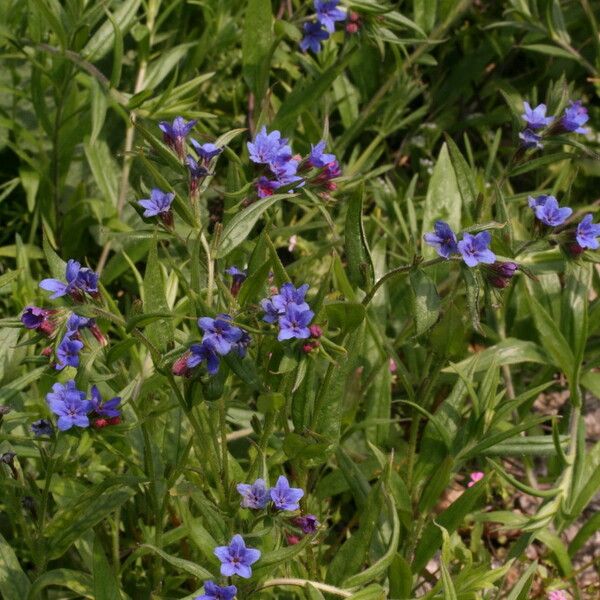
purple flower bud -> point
(308, 523)
(42, 427)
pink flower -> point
(558, 595)
(393, 367)
(475, 477)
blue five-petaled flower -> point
(547, 211)
(159, 203)
(536, 117)
(314, 34)
(212, 591)
(587, 233)
(574, 117)
(254, 496)
(442, 239)
(70, 405)
(474, 249)
(237, 559)
(328, 13)
(79, 280)
(220, 333)
(285, 497)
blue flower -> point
(197, 171)
(318, 158)
(314, 34)
(206, 151)
(267, 147)
(574, 117)
(79, 281)
(547, 210)
(285, 497)
(37, 318)
(328, 13)
(587, 233)
(536, 118)
(241, 346)
(294, 323)
(220, 333)
(288, 294)
(236, 559)
(239, 274)
(442, 239)
(255, 495)
(67, 352)
(530, 139)
(212, 591)
(159, 203)
(174, 134)
(204, 352)
(474, 249)
(107, 409)
(70, 405)
(42, 427)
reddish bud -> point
(352, 28)
(180, 367)
(315, 331)
(47, 351)
(100, 423)
(292, 540)
(574, 250)
(97, 333)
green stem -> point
(398, 271)
(224, 451)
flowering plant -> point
(300, 300)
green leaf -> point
(256, 46)
(57, 265)
(400, 578)
(350, 556)
(443, 200)
(425, 301)
(76, 581)
(281, 556)
(358, 256)
(240, 226)
(14, 584)
(510, 351)
(180, 564)
(306, 94)
(371, 592)
(553, 340)
(102, 41)
(381, 565)
(155, 301)
(464, 175)
(520, 590)
(106, 585)
(450, 519)
(87, 510)
(346, 316)
(471, 279)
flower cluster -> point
(577, 239)
(257, 495)
(175, 136)
(46, 321)
(474, 249)
(282, 497)
(572, 121)
(289, 310)
(275, 152)
(220, 338)
(73, 409)
(79, 282)
(317, 31)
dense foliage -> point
(299, 299)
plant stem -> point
(224, 451)
(397, 271)
(323, 587)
